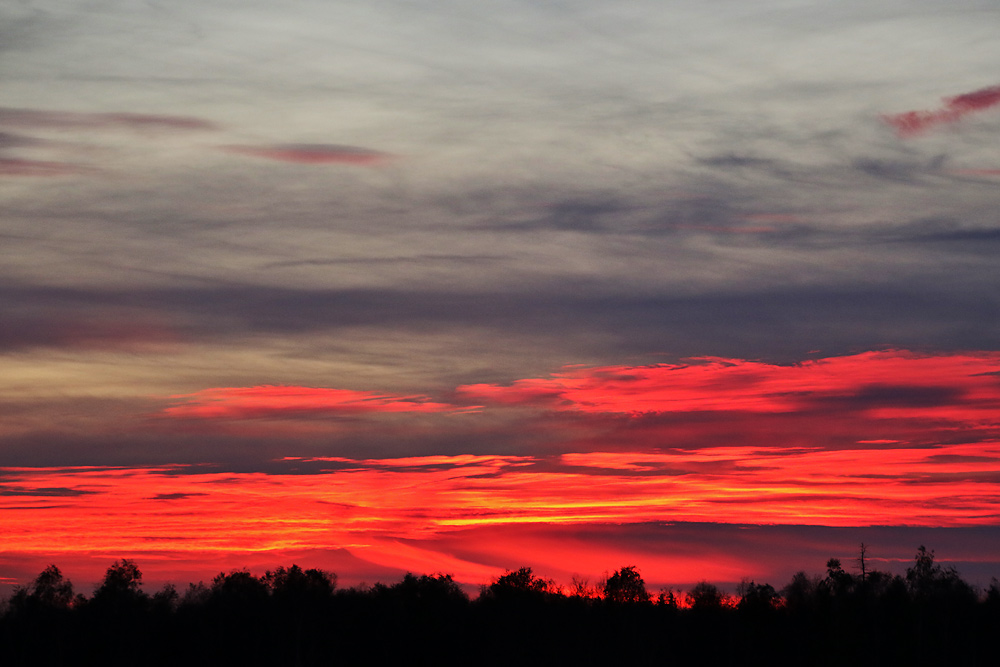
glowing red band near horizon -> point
(920, 448)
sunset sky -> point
(376, 286)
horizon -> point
(981, 581)
(383, 286)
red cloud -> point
(279, 401)
(889, 384)
(313, 154)
(914, 122)
(374, 507)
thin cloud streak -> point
(41, 118)
(277, 401)
(313, 154)
(42, 168)
(912, 123)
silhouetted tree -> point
(292, 616)
(195, 595)
(429, 590)
(238, 589)
(838, 581)
(924, 570)
(626, 586)
(930, 582)
(993, 593)
(294, 583)
(520, 583)
(800, 593)
(862, 564)
(121, 586)
(166, 599)
(705, 597)
(50, 590)
(667, 598)
(581, 588)
(757, 598)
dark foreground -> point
(298, 617)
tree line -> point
(295, 616)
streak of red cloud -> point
(14, 167)
(70, 119)
(313, 154)
(893, 383)
(284, 401)
(912, 123)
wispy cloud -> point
(17, 167)
(313, 154)
(955, 108)
(277, 401)
(41, 118)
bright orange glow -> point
(370, 507)
(875, 439)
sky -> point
(382, 286)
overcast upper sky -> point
(269, 239)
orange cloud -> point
(279, 401)
(955, 108)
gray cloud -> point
(43, 492)
(777, 323)
(174, 496)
